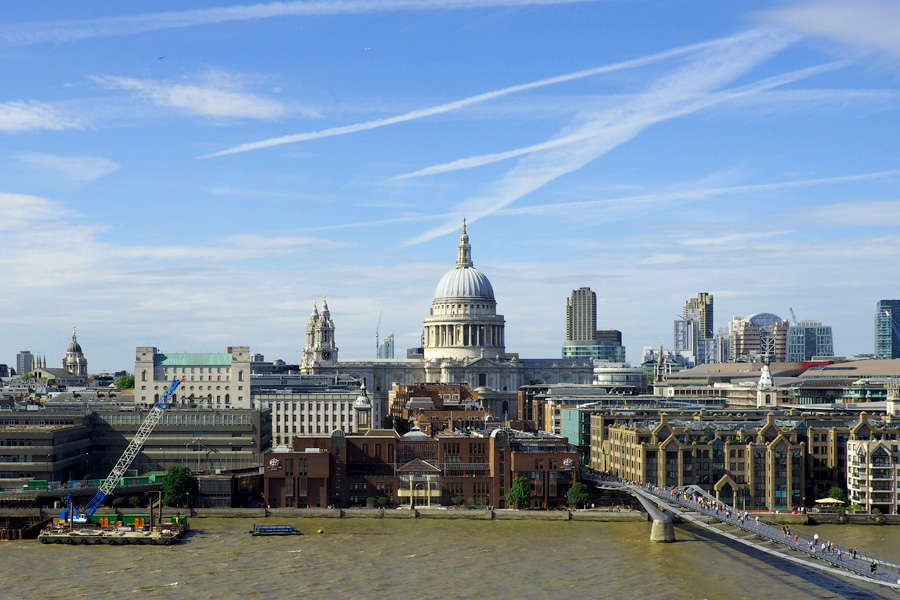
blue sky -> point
(192, 179)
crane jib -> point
(134, 447)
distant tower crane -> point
(377, 328)
(793, 316)
(71, 512)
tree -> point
(177, 485)
(125, 383)
(383, 501)
(837, 493)
(578, 494)
(457, 500)
(519, 493)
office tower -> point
(694, 334)
(700, 309)
(807, 339)
(24, 362)
(887, 323)
(583, 339)
(386, 348)
(581, 315)
(758, 336)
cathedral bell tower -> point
(319, 350)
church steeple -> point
(464, 253)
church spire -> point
(464, 253)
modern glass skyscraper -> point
(887, 321)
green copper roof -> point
(192, 359)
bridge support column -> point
(662, 531)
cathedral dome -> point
(464, 282)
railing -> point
(695, 499)
(837, 555)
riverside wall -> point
(600, 515)
(359, 513)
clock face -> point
(326, 354)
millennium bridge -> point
(693, 505)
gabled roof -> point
(417, 465)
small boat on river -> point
(274, 530)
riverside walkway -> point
(694, 505)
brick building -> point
(418, 470)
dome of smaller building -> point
(362, 401)
(74, 346)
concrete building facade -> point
(211, 380)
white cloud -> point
(216, 96)
(864, 24)
(61, 31)
(21, 210)
(18, 116)
(863, 213)
(79, 169)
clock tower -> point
(320, 350)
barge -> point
(118, 534)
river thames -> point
(423, 558)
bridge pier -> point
(662, 530)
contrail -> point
(450, 106)
(582, 135)
(21, 34)
(682, 92)
(696, 194)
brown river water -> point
(421, 558)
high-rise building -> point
(694, 334)
(581, 315)
(700, 309)
(807, 339)
(758, 336)
(887, 323)
(583, 339)
(386, 347)
(24, 362)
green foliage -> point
(457, 500)
(577, 494)
(29, 376)
(370, 501)
(125, 383)
(137, 502)
(837, 493)
(519, 494)
(177, 485)
(536, 381)
(120, 502)
(383, 501)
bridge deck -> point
(699, 508)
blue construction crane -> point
(72, 512)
